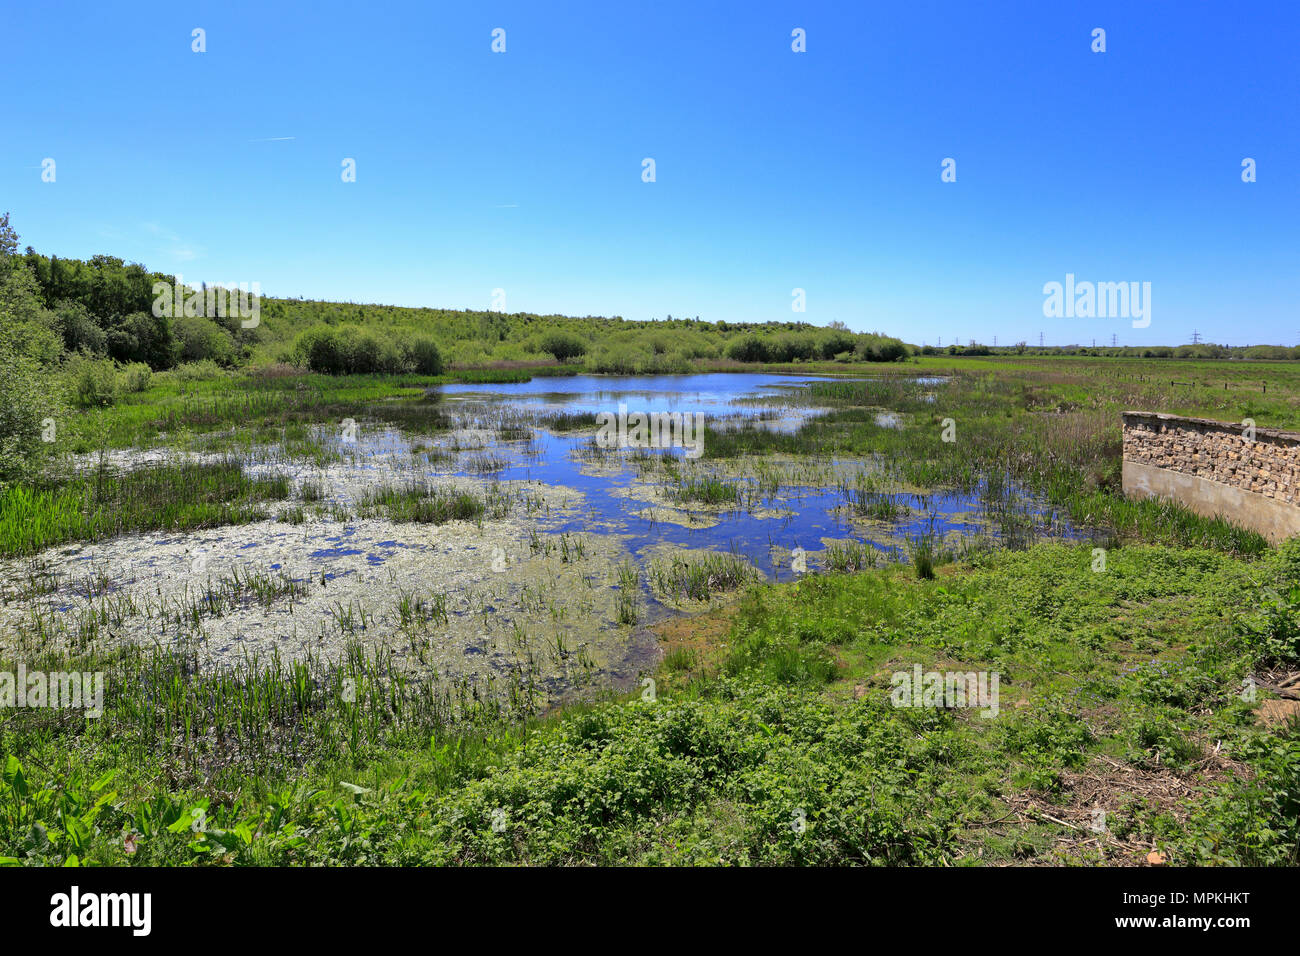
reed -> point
(174, 497)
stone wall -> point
(1215, 469)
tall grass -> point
(216, 725)
(709, 491)
(422, 503)
(172, 497)
(629, 585)
(700, 577)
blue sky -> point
(775, 170)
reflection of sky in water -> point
(809, 513)
(712, 394)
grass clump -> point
(699, 577)
(421, 503)
(708, 491)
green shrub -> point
(354, 350)
(319, 349)
(749, 349)
(424, 355)
(80, 331)
(92, 382)
(200, 339)
(563, 346)
(25, 403)
(136, 377)
(141, 337)
(615, 361)
(880, 348)
(197, 371)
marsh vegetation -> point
(366, 617)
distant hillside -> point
(105, 307)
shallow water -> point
(801, 514)
(530, 596)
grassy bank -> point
(770, 737)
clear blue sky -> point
(775, 170)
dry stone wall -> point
(1249, 475)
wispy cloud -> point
(272, 139)
(506, 205)
(173, 245)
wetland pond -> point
(492, 536)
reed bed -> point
(180, 496)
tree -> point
(198, 338)
(28, 347)
(80, 331)
(142, 337)
(424, 355)
(563, 346)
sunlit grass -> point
(173, 497)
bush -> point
(563, 346)
(792, 348)
(836, 344)
(749, 349)
(92, 382)
(352, 350)
(80, 331)
(615, 361)
(136, 377)
(362, 352)
(424, 356)
(25, 402)
(880, 348)
(141, 337)
(197, 371)
(319, 350)
(200, 339)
